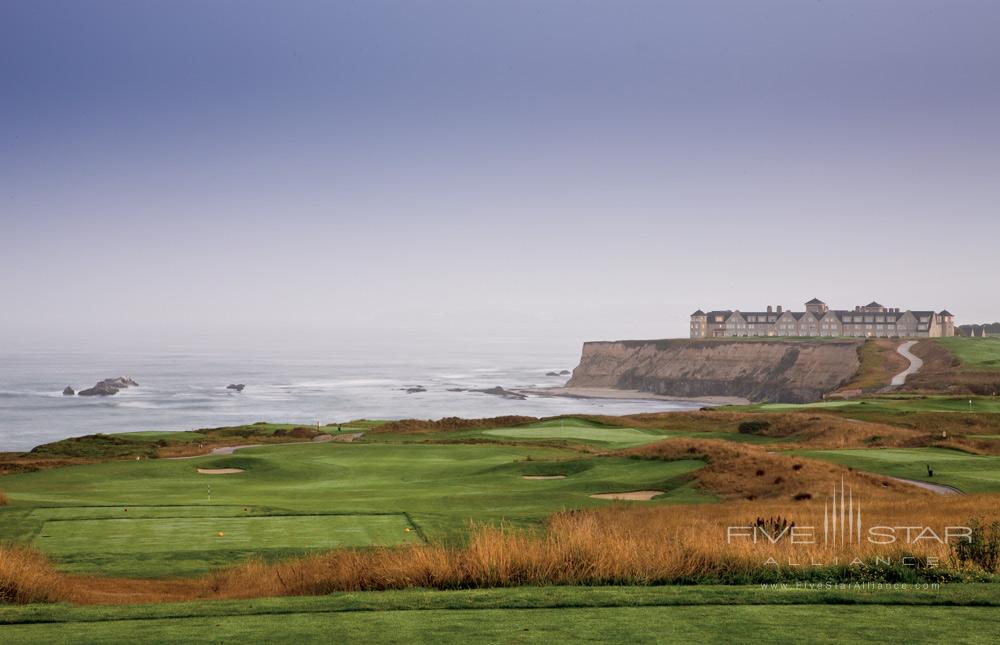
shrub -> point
(25, 577)
(3, 498)
(802, 496)
(982, 548)
(774, 527)
(754, 426)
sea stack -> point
(109, 386)
(68, 391)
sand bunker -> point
(635, 495)
(220, 471)
(543, 476)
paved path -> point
(940, 489)
(915, 363)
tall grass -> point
(618, 544)
(26, 576)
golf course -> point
(549, 529)
(164, 518)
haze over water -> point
(186, 389)
(486, 173)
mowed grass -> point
(813, 624)
(202, 532)
(898, 404)
(366, 494)
(980, 354)
(620, 437)
(969, 473)
(954, 614)
(612, 437)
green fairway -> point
(969, 473)
(126, 534)
(896, 404)
(954, 614)
(554, 430)
(974, 353)
(296, 498)
(579, 431)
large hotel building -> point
(871, 320)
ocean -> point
(186, 389)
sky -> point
(176, 171)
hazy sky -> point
(579, 170)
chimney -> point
(779, 309)
(769, 309)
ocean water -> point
(184, 390)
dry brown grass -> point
(879, 363)
(942, 372)
(824, 429)
(3, 498)
(619, 544)
(26, 576)
(12, 463)
(739, 471)
(450, 424)
(612, 545)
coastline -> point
(612, 393)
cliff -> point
(796, 371)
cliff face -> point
(765, 370)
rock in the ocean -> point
(236, 386)
(499, 391)
(552, 374)
(565, 373)
(416, 389)
(68, 391)
(109, 386)
(101, 389)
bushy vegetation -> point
(754, 426)
(26, 576)
(450, 423)
(983, 547)
(98, 446)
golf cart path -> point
(915, 364)
(940, 489)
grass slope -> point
(968, 473)
(980, 354)
(895, 404)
